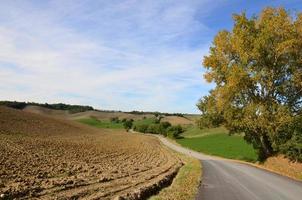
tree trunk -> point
(266, 148)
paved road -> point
(227, 180)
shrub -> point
(128, 124)
(153, 128)
(175, 131)
(165, 124)
(292, 148)
(141, 128)
(114, 119)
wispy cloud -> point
(110, 54)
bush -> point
(153, 128)
(165, 124)
(162, 130)
(114, 119)
(175, 131)
(128, 124)
(141, 128)
(292, 148)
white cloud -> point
(127, 56)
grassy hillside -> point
(146, 121)
(113, 124)
(101, 123)
(221, 145)
(216, 141)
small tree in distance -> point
(175, 131)
(128, 124)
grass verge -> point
(185, 184)
(220, 144)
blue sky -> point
(120, 55)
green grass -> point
(194, 131)
(101, 123)
(147, 121)
(221, 144)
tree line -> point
(56, 106)
(162, 128)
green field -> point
(218, 142)
(146, 121)
(101, 123)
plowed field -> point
(47, 158)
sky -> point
(114, 55)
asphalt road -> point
(228, 180)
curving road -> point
(227, 180)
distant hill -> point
(101, 115)
(75, 112)
(14, 121)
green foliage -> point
(257, 71)
(141, 128)
(114, 120)
(155, 127)
(14, 104)
(128, 124)
(211, 117)
(175, 131)
(57, 106)
(101, 124)
(291, 146)
(145, 121)
(221, 144)
(143, 124)
(162, 130)
(151, 128)
(165, 125)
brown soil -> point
(48, 158)
(175, 120)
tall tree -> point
(257, 69)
